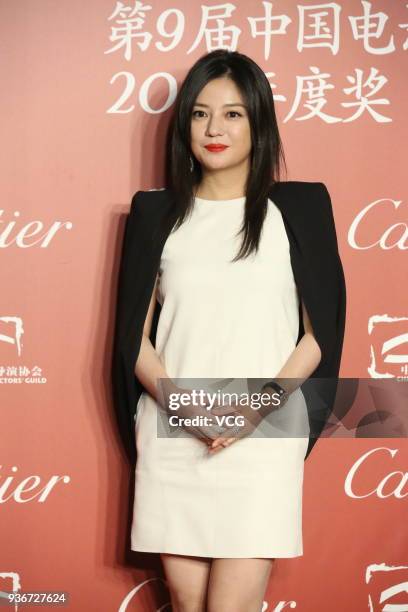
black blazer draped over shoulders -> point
(318, 272)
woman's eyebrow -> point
(230, 104)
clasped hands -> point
(217, 436)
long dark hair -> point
(266, 153)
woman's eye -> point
(229, 112)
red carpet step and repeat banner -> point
(87, 94)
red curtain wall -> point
(87, 93)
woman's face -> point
(219, 116)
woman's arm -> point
(149, 367)
(303, 360)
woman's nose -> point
(214, 126)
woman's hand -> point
(206, 430)
(251, 417)
(250, 420)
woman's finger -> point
(225, 442)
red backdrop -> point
(87, 93)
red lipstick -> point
(215, 148)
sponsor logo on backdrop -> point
(391, 481)
(29, 488)
(388, 347)
(388, 587)
(11, 332)
(367, 231)
(134, 594)
(32, 234)
(9, 579)
(11, 335)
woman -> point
(222, 278)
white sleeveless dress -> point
(223, 320)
